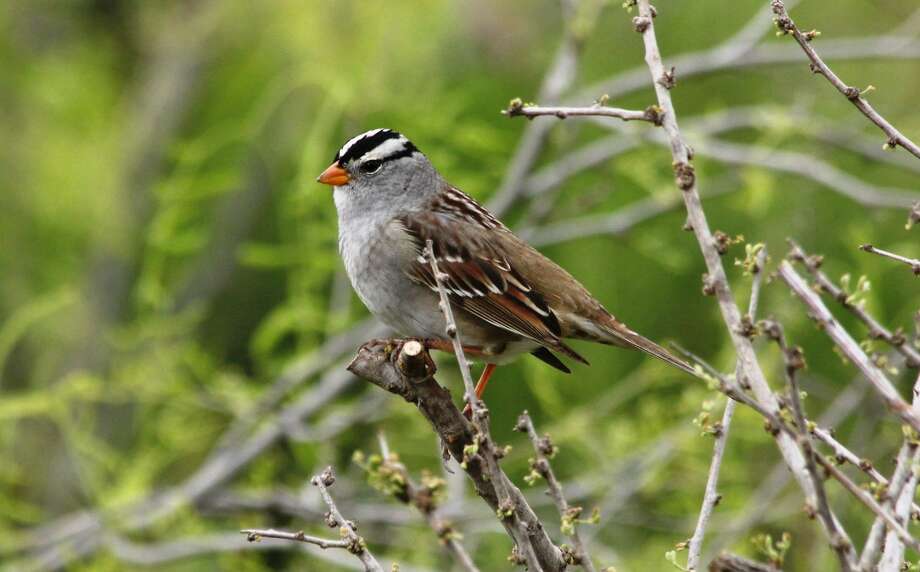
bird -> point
(508, 299)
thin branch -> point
(408, 371)
(868, 500)
(854, 95)
(776, 424)
(480, 420)
(334, 518)
(256, 534)
(711, 496)
(450, 328)
(907, 457)
(896, 340)
(517, 108)
(793, 162)
(792, 362)
(764, 497)
(685, 179)
(912, 262)
(819, 312)
(544, 448)
(159, 554)
(902, 502)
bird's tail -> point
(617, 334)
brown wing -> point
(480, 279)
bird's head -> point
(380, 169)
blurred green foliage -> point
(165, 255)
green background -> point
(165, 254)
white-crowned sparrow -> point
(508, 298)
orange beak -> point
(334, 175)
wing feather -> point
(480, 278)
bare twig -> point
(450, 328)
(778, 425)
(907, 457)
(544, 448)
(848, 346)
(853, 94)
(685, 179)
(868, 500)
(792, 362)
(901, 501)
(912, 262)
(518, 108)
(896, 340)
(711, 496)
(334, 518)
(256, 534)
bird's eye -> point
(371, 166)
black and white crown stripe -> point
(381, 144)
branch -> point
(902, 502)
(711, 496)
(896, 340)
(894, 47)
(848, 346)
(685, 179)
(787, 26)
(404, 368)
(776, 424)
(256, 534)
(483, 439)
(793, 361)
(904, 467)
(355, 544)
(518, 108)
(544, 449)
(912, 262)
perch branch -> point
(407, 370)
(854, 95)
(543, 448)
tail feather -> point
(618, 334)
